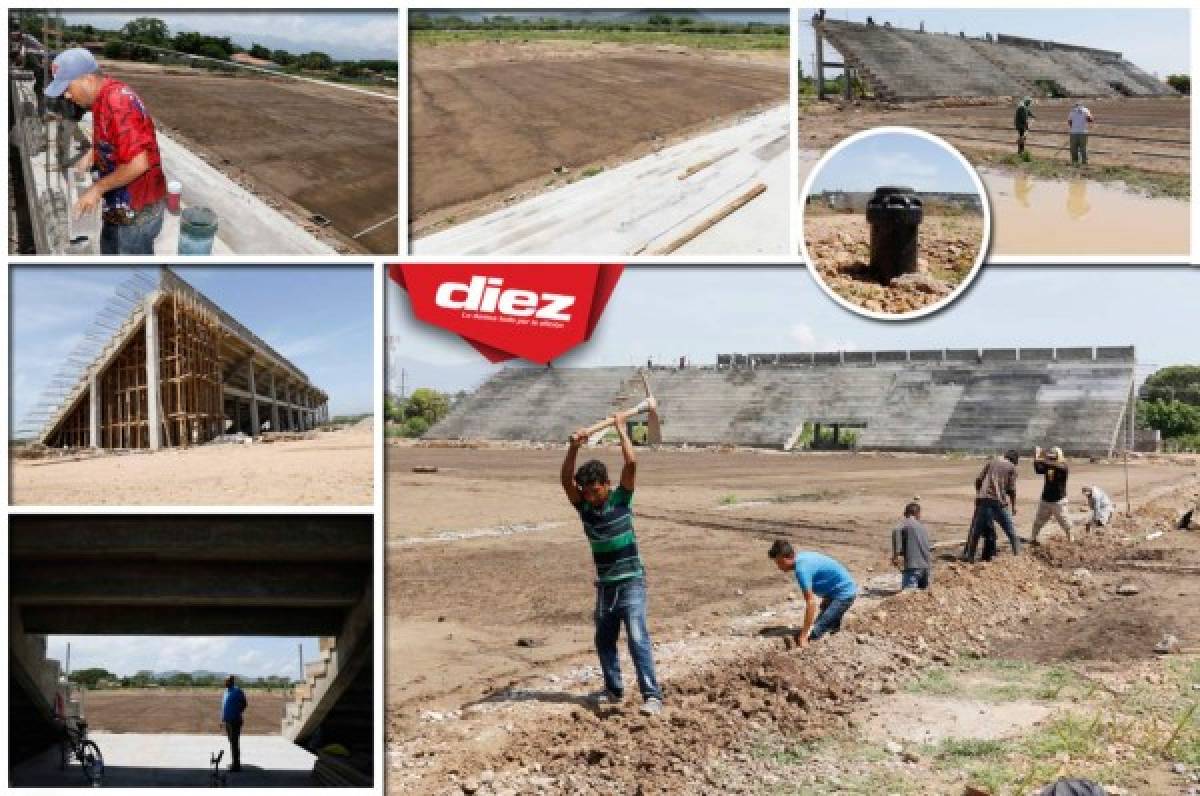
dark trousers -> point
(233, 731)
(990, 514)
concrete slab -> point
(645, 206)
(175, 760)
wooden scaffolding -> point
(190, 384)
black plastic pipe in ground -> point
(895, 214)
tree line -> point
(136, 38)
(98, 677)
(659, 21)
(1169, 402)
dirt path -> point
(153, 710)
(314, 149)
(840, 248)
(486, 552)
(332, 468)
(488, 122)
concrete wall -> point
(931, 400)
(910, 64)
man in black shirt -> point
(1052, 466)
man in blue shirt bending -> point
(233, 704)
(818, 575)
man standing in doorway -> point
(131, 187)
(233, 704)
(1078, 122)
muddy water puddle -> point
(1065, 218)
(1080, 218)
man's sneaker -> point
(652, 707)
(603, 698)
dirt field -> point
(840, 248)
(333, 468)
(150, 710)
(486, 552)
(313, 149)
(984, 132)
(490, 120)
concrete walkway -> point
(651, 204)
(142, 760)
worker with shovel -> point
(607, 516)
(995, 502)
(1100, 505)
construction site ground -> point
(490, 636)
(325, 468)
(187, 710)
(1129, 200)
(493, 121)
(305, 148)
(839, 245)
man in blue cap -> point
(131, 185)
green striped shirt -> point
(609, 530)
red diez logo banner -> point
(535, 312)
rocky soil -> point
(839, 249)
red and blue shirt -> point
(122, 130)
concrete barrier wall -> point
(911, 64)
(939, 406)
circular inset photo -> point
(896, 223)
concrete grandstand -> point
(965, 400)
(900, 64)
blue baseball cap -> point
(68, 65)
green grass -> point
(592, 171)
(393, 431)
(728, 500)
(1176, 185)
(933, 682)
(959, 750)
(707, 41)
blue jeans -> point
(135, 238)
(914, 579)
(829, 620)
(993, 511)
(619, 603)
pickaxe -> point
(648, 405)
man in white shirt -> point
(1077, 122)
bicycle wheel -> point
(93, 762)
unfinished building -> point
(900, 64)
(965, 400)
(233, 576)
(167, 367)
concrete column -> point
(820, 66)
(292, 424)
(255, 426)
(274, 405)
(94, 410)
(153, 388)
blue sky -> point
(654, 313)
(126, 655)
(344, 35)
(1154, 39)
(319, 317)
(894, 159)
